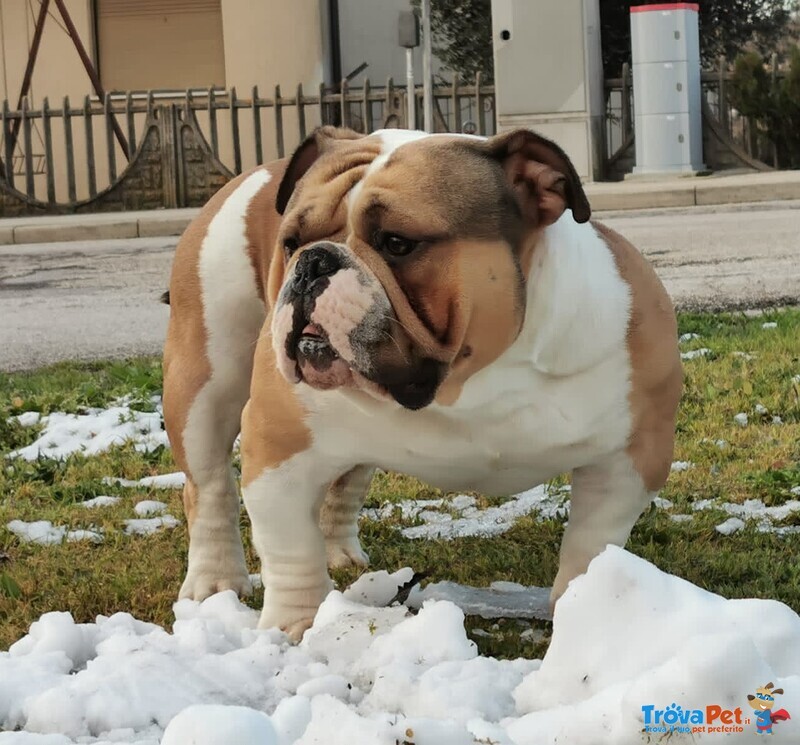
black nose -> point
(315, 263)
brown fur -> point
(657, 374)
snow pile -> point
(92, 432)
(102, 501)
(366, 674)
(149, 525)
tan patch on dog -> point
(273, 426)
(657, 374)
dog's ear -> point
(541, 176)
(768, 685)
(750, 697)
(778, 690)
(320, 140)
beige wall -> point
(58, 70)
(273, 42)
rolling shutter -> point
(160, 44)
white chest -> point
(557, 399)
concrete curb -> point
(94, 227)
(623, 196)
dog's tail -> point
(165, 297)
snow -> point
(496, 601)
(92, 432)
(741, 419)
(149, 507)
(149, 525)
(681, 465)
(769, 325)
(730, 526)
(760, 409)
(371, 674)
(162, 481)
(45, 533)
(214, 724)
(470, 520)
(687, 337)
(102, 501)
(695, 353)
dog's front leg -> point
(284, 505)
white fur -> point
(233, 315)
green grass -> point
(141, 575)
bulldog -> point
(437, 305)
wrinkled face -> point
(402, 262)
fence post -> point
(112, 156)
(626, 101)
(279, 122)
(723, 94)
(131, 124)
(322, 108)
(774, 90)
(237, 147)
(70, 152)
(389, 104)
(257, 126)
(367, 109)
(344, 109)
(479, 105)
(30, 186)
(301, 112)
(8, 144)
(456, 105)
(87, 125)
(48, 152)
(212, 122)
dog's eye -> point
(395, 245)
(290, 245)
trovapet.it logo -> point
(712, 718)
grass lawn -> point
(141, 575)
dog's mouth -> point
(319, 364)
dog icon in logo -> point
(762, 704)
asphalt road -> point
(101, 299)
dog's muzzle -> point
(334, 326)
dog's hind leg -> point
(339, 518)
(607, 499)
(216, 317)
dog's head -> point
(402, 259)
(764, 700)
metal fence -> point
(60, 154)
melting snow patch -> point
(695, 353)
(681, 465)
(470, 520)
(625, 636)
(149, 525)
(741, 419)
(100, 502)
(162, 481)
(760, 409)
(681, 518)
(744, 355)
(687, 337)
(45, 533)
(149, 507)
(662, 504)
(730, 526)
(769, 325)
(92, 432)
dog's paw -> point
(200, 585)
(346, 553)
(294, 622)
